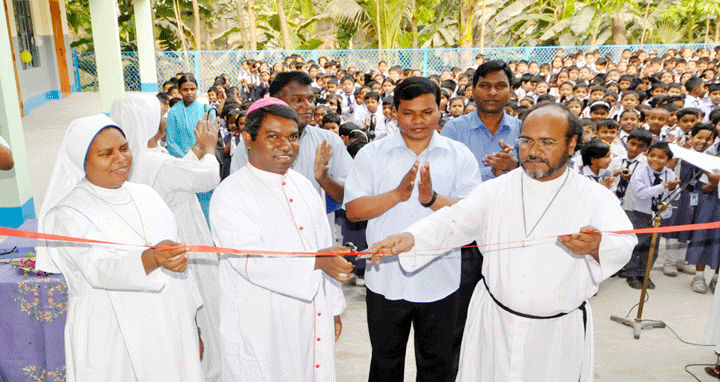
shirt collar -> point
(396, 141)
(477, 123)
(267, 175)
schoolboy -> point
(629, 100)
(332, 122)
(373, 119)
(686, 119)
(651, 184)
(695, 87)
(457, 106)
(713, 100)
(581, 90)
(331, 86)
(607, 131)
(629, 121)
(596, 159)
(347, 96)
(656, 121)
(623, 167)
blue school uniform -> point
(704, 246)
(685, 204)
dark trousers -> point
(389, 324)
(638, 261)
(471, 273)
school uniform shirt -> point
(641, 183)
(627, 199)
(347, 103)
(603, 174)
(707, 107)
(378, 168)
(691, 101)
(362, 117)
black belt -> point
(524, 315)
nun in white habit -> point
(177, 180)
(131, 310)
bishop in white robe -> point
(277, 312)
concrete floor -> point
(657, 356)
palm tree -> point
(384, 18)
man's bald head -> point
(572, 126)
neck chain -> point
(522, 195)
(143, 236)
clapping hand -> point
(404, 189)
(502, 160)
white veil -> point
(139, 117)
(69, 170)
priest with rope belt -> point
(528, 318)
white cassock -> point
(177, 180)
(276, 312)
(541, 279)
(123, 325)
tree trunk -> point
(283, 25)
(717, 29)
(647, 10)
(379, 29)
(465, 22)
(241, 24)
(251, 23)
(707, 30)
(414, 31)
(196, 17)
(482, 27)
(619, 33)
(595, 31)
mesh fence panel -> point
(206, 65)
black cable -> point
(694, 365)
(647, 297)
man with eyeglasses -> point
(529, 319)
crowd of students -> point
(631, 108)
(674, 97)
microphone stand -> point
(638, 324)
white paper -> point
(705, 162)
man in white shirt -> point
(529, 320)
(380, 189)
(279, 314)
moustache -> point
(523, 160)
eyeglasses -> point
(526, 143)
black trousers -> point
(638, 262)
(389, 324)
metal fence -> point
(206, 65)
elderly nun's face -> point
(108, 159)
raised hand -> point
(206, 132)
(322, 157)
(502, 160)
(670, 185)
(608, 182)
(404, 189)
(425, 190)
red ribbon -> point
(210, 249)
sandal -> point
(713, 371)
